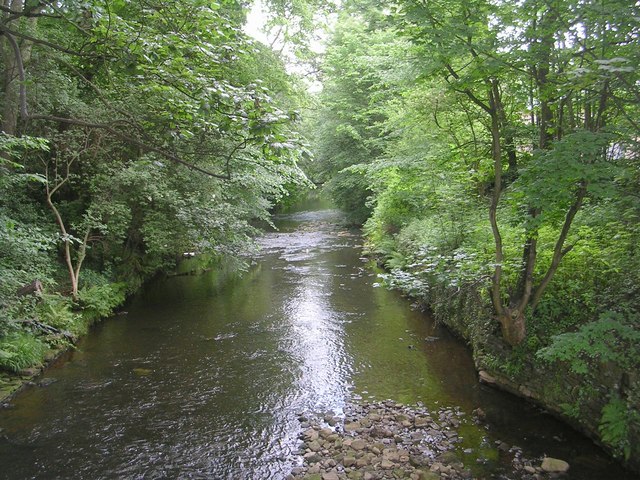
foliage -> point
(494, 148)
(612, 338)
(56, 311)
(350, 191)
(20, 350)
(134, 132)
(99, 301)
(614, 425)
(362, 77)
(609, 344)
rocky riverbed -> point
(387, 440)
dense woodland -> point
(133, 132)
(489, 150)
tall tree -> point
(175, 88)
(557, 69)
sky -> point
(255, 21)
(254, 27)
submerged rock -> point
(554, 465)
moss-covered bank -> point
(52, 324)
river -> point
(206, 375)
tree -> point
(558, 71)
(170, 100)
(363, 72)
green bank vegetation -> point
(132, 133)
(490, 150)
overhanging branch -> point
(38, 41)
(108, 127)
(131, 140)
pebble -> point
(387, 440)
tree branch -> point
(495, 199)
(31, 13)
(4, 31)
(468, 92)
(560, 251)
(131, 140)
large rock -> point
(352, 427)
(349, 461)
(428, 476)
(486, 378)
(326, 432)
(310, 434)
(387, 464)
(553, 465)
(312, 457)
(330, 476)
(422, 421)
(315, 446)
(358, 444)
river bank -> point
(388, 440)
(56, 324)
(580, 393)
(57, 338)
(11, 383)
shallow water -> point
(206, 375)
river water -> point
(206, 375)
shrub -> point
(612, 343)
(21, 350)
(100, 300)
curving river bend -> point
(206, 375)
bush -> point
(612, 344)
(613, 338)
(21, 350)
(100, 300)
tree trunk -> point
(14, 62)
(512, 321)
(513, 325)
(67, 248)
(9, 81)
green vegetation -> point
(19, 350)
(133, 132)
(490, 150)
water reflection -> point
(315, 341)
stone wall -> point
(549, 386)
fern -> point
(21, 350)
(614, 426)
(610, 339)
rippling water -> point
(206, 375)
